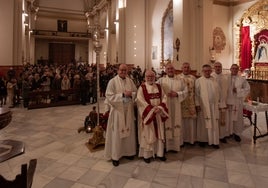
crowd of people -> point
(15, 87)
(172, 111)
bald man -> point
(176, 90)
(120, 133)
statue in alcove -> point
(261, 53)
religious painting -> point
(62, 25)
(219, 40)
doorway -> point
(61, 53)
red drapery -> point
(245, 49)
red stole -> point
(148, 97)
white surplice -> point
(120, 133)
(207, 97)
(173, 125)
(222, 81)
(235, 102)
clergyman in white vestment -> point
(238, 89)
(152, 113)
(207, 102)
(176, 90)
(120, 133)
(222, 81)
(188, 105)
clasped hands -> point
(127, 94)
(172, 94)
(157, 110)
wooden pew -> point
(22, 180)
(44, 99)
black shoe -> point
(202, 144)
(162, 158)
(223, 140)
(115, 163)
(147, 160)
(237, 138)
(173, 151)
(129, 157)
(216, 146)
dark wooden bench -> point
(44, 99)
(22, 180)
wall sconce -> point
(116, 21)
(24, 13)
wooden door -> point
(61, 53)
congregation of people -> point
(172, 111)
(16, 86)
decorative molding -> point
(229, 3)
(219, 40)
(57, 13)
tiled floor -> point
(63, 160)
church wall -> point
(50, 22)
(188, 27)
(221, 19)
(183, 27)
(6, 32)
(241, 8)
(135, 33)
(155, 12)
(42, 50)
(45, 23)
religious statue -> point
(261, 52)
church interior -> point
(140, 33)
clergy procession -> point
(172, 111)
